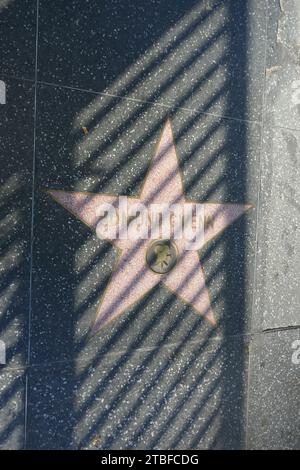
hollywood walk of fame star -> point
(132, 278)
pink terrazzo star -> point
(132, 278)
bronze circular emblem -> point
(161, 256)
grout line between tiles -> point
(32, 221)
(164, 105)
(250, 335)
(257, 221)
(152, 103)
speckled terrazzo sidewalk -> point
(87, 89)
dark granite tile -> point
(283, 64)
(206, 55)
(274, 400)
(16, 154)
(72, 266)
(18, 37)
(186, 396)
(12, 398)
(278, 258)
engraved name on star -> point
(132, 278)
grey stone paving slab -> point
(189, 395)
(18, 37)
(16, 123)
(206, 55)
(72, 266)
(283, 63)
(278, 259)
(274, 399)
(12, 403)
